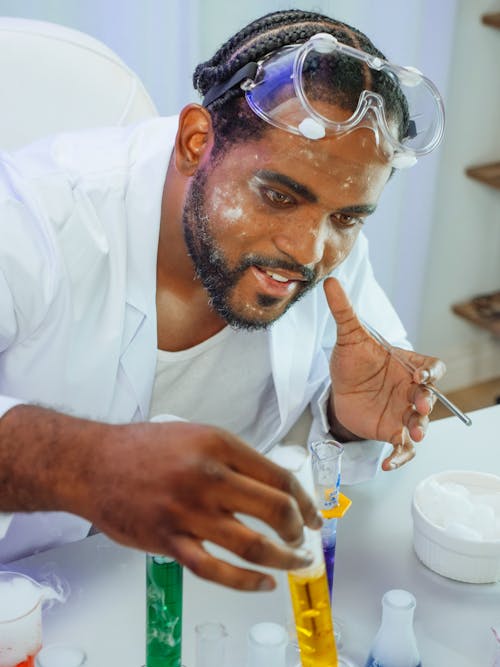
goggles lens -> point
(325, 87)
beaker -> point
(211, 639)
(21, 600)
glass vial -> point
(267, 644)
(163, 612)
(211, 639)
(395, 644)
(61, 655)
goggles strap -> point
(248, 71)
(411, 132)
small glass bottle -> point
(163, 611)
(395, 644)
(211, 640)
(267, 644)
(56, 655)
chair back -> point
(54, 78)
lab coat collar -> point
(143, 209)
(292, 347)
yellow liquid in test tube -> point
(313, 618)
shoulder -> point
(91, 152)
(49, 178)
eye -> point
(346, 220)
(277, 198)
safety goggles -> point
(291, 89)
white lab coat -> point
(79, 222)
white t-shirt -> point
(224, 381)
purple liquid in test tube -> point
(329, 553)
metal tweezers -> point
(395, 353)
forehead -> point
(340, 170)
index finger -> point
(402, 452)
(246, 461)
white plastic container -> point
(445, 551)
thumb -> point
(340, 306)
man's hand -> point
(373, 396)
(160, 487)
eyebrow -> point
(298, 188)
(361, 209)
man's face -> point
(274, 217)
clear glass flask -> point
(395, 644)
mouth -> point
(276, 282)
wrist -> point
(46, 460)
(337, 429)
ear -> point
(194, 138)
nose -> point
(304, 243)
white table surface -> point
(105, 611)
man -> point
(125, 255)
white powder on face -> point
(232, 214)
(347, 183)
(228, 212)
(308, 154)
(217, 199)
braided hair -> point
(232, 118)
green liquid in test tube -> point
(163, 612)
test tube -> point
(326, 458)
(163, 611)
(309, 586)
(311, 608)
(211, 639)
(267, 644)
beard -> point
(219, 279)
